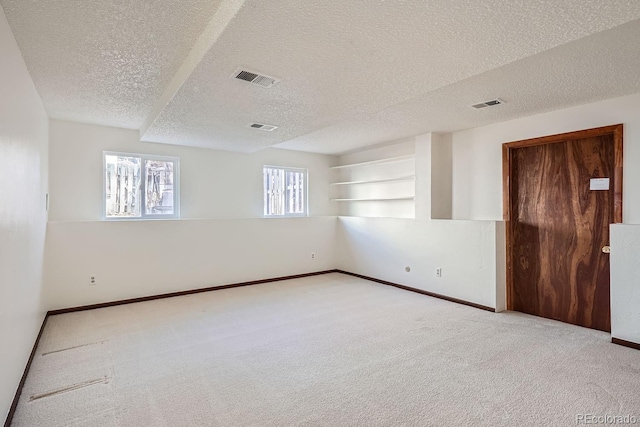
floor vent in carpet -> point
(103, 380)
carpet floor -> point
(330, 350)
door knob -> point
(606, 249)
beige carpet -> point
(329, 350)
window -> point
(285, 191)
(141, 187)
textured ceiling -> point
(597, 67)
(354, 73)
(105, 61)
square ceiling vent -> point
(254, 77)
(262, 126)
(491, 103)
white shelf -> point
(401, 178)
(377, 162)
(373, 200)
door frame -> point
(507, 164)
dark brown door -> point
(559, 227)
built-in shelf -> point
(373, 200)
(378, 162)
(398, 179)
(351, 195)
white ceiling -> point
(354, 73)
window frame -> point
(143, 216)
(306, 192)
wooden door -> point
(558, 226)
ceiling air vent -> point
(491, 103)
(262, 126)
(254, 77)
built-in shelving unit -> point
(377, 162)
(372, 181)
(387, 180)
(373, 200)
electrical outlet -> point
(313, 255)
(92, 280)
(438, 272)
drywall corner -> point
(501, 266)
(423, 176)
(625, 292)
(441, 176)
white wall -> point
(433, 176)
(469, 253)
(441, 176)
(23, 186)
(133, 259)
(213, 184)
(221, 238)
(477, 154)
(625, 289)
